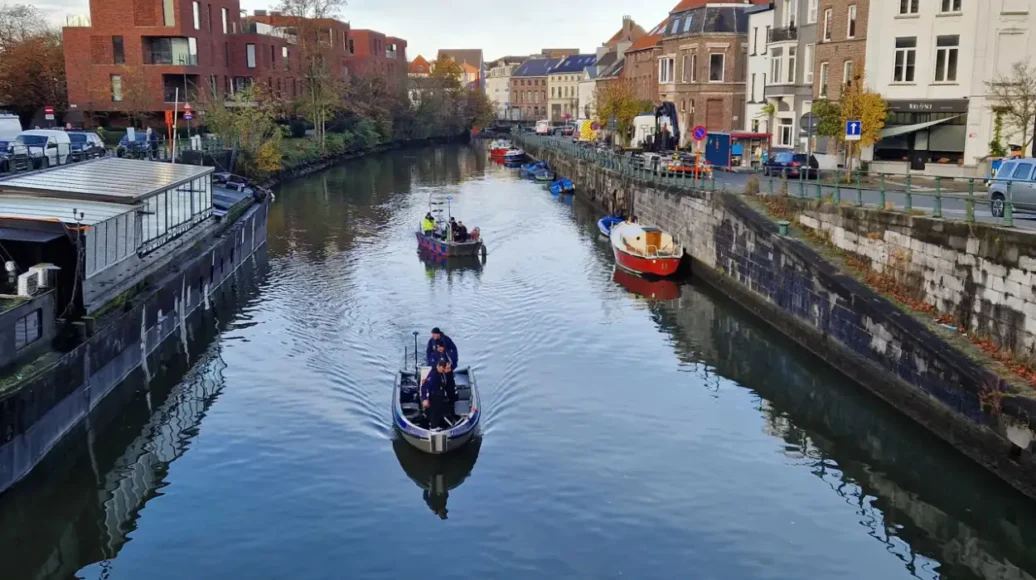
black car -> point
(792, 165)
(87, 145)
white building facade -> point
(498, 89)
(760, 22)
(931, 60)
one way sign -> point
(853, 129)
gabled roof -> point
(472, 56)
(573, 64)
(535, 67)
(651, 39)
(700, 17)
(635, 33)
(606, 61)
(419, 66)
(614, 71)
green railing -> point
(939, 197)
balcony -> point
(789, 34)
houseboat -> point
(106, 260)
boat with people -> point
(448, 238)
(562, 186)
(436, 408)
(645, 249)
(605, 224)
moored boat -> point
(645, 249)
(499, 148)
(410, 420)
(605, 224)
(514, 155)
(543, 174)
(562, 186)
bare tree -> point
(20, 22)
(322, 90)
(1014, 97)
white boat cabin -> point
(645, 240)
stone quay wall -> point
(786, 283)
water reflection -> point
(659, 289)
(437, 475)
(458, 264)
(936, 511)
(80, 506)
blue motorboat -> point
(532, 168)
(562, 186)
(605, 224)
(544, 174)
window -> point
(791, 65)
(250, 55)
(192, 50)
(676, 25)
(687, 23)
(716, 65)
(273, 56)
(284, 57)
(850, 31)
(784, 135)
(118, 51)
(168, 13)
(116, 88)
(665, 70)
(208, 15)
(827, 25)
(847, 72)
(755, 125)
(751, 94)
(950, 5)
(946, 48)
(814, 9)
(683, 69)
(694, 68)
(908, 6)
(775, 65)
(224, 21)
(27, 329)
(823, 79)
(807, 62)
(197, 15)
(755, 40)
(906, 56)
(1022, 172)
(791, 8)
(766, 38)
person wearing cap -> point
(434, 399)
(431, 353)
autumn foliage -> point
(32, 62)
(618, 100)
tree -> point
(860, 104)
(996, 144)
(321, 90)
(1014, 96)
(32, 62)
(829, 114)
(618, 100)
(249, 120)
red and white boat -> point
(499, 148)
(645, 249)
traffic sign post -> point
(698, 133)
(808, 123)
(853, 130)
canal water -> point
(631, 430)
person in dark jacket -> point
(434, 399)
(451, 383)
(451, 348)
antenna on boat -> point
(417, 367)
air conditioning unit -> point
(46, 275)
(28, 283)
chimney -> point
(627, 26)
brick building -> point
(529, 88)
(703, 62)
(841, 50)
(642, 63)
(331, 34)
(140, 55)
(371, 52)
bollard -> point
(909, 204)
(769, 179)
(838, 190)
(782, 227)
(937, 210)
(859, 189)
(883, 202)
(1008, 212)
(802, 185)
(969, 205)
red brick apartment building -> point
(372, 52)
(141, 55)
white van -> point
(49, 146)
(10, 126)
(644, 127)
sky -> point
(498, 28)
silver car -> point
(1014, 181)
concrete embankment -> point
(788, 283)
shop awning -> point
(907, 129)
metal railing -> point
(938, 197)
(20, 160)
(784, 34)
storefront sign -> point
(929, 106)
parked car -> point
(568, 130)
(543, 127)
(1013, 181)
(87, 145)
(136, 148)
(47, 147)
(792, 165)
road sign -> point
(853, 130)
(48, 113)
(187, 116)
(595, 126)
(187, 106)
(809, 122)
(699, 133)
